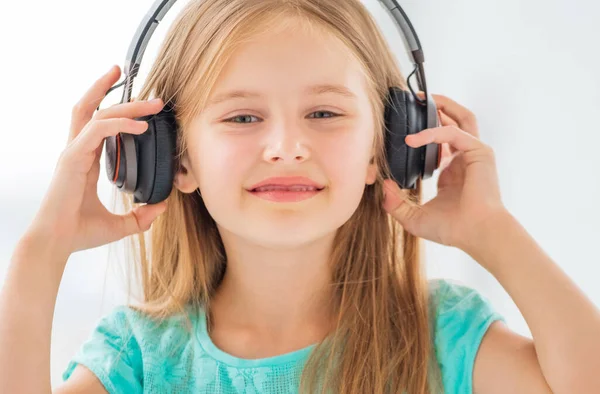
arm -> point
(27, 303)
(565, 324)
(82, 381)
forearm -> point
(564, 323)
(27, 302)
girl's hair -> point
(382, 341)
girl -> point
(250, 291)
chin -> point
(287, 234)
(285, 242)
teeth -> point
(286, 188)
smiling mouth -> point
(286, 193)
(293, 188)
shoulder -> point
(135, 318)
(456, 306)
(450, 299)
(460, 318)
(126, 341)
(160, 335)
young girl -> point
(250, 291)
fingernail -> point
(156, 100)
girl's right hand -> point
(71, 211)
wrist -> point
(35, 271)
(488, 236)
(42, 244)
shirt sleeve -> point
(462, 318)
(112, 353)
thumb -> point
(396, 204)
(139, 219)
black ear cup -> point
(156, 153)
(144, 164)
(405, 116)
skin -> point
(277, 252)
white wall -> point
(527, 69)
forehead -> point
(290, 56)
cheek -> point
(345, 162)
(346, 159)
(223, 166)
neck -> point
(275, 291)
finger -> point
(95, 132)
(452, 135)
(139, 219)
(82, 111)
(396, 205)
(132, 109)
(447, 152)
(446, 120)
(462, 116)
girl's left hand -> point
(468, 190)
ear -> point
(371, 172)
(185, 181)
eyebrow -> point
(311, 90)
(329, 88)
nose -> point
(287, 145)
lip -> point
(281, 196)
(287, 181)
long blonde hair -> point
(383, 336)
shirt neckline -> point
(224, 357)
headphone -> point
(144, 165)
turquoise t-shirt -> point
(131, 354)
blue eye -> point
(327, 113)
(244, 119)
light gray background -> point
(529, 70)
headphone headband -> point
(160, 8)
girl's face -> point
(287, 104)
